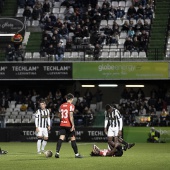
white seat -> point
(67, 55)
(103, 23)
(30, 113)
(35, 23)
(22, 113)
(119, 22)
(134, 54)
(128, 3)
(57, 4)
(110, 22)
(56, 10)
(14, 113)
(28, 55)
(62, 9)
(115, 4)
(9, 120)
(121, 41)
(75, 55)
(32, 120)
(17, 120)
(122, 4)
(12, 106)
(25, 120)
(61, 16)
(18, 106)
(123, 35)
(36, 55)
(20, 10)
(105, 54)
(81, 99)
(93, 107)
(126, 54)
(9, 109)
(142, 54)
(112, 54)
(7, 113)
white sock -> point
(43, 145)
(38, 145)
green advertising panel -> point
(120, 70)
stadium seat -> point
(28, 55)
(142, 54)
(115, 4)
(128, 3)
(122, 4)
(35, 23)
(56, 10)
(134, 54)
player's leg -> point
(126, 144)
(39, 140)
(60, 141)
(110, 135)
(74, 145)
(45, 139)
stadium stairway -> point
(158, 30)
(34, 42)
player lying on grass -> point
(3, 152)
(106, 152)
(111, 151)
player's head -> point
(108, 108)
(42, 103)
(69, 97)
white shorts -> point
(43, 132)
(113, 131)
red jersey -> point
(65, 110)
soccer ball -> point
(48, 154)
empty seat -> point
(36, 55)
(28, 55)
(35, 23)
(56, 10)
(142, 54)
(134, 54)
(122, 4)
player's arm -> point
(120, 122)
(105, 123)
(48, 120)
(72, 121)
(36, 121)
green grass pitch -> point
(143, 156)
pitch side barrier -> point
(28, 134)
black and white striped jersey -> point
(42, 118)
(113, 119)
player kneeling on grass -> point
(107, 152)
(3, 152)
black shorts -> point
(66, 131)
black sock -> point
(74, 146)
(124, 142)
(59, 143)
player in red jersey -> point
(107, 152)
(67, 125)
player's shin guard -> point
(74, 146)
(59, 143)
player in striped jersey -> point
(113, 128)
(42, 124)
(113, 125)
